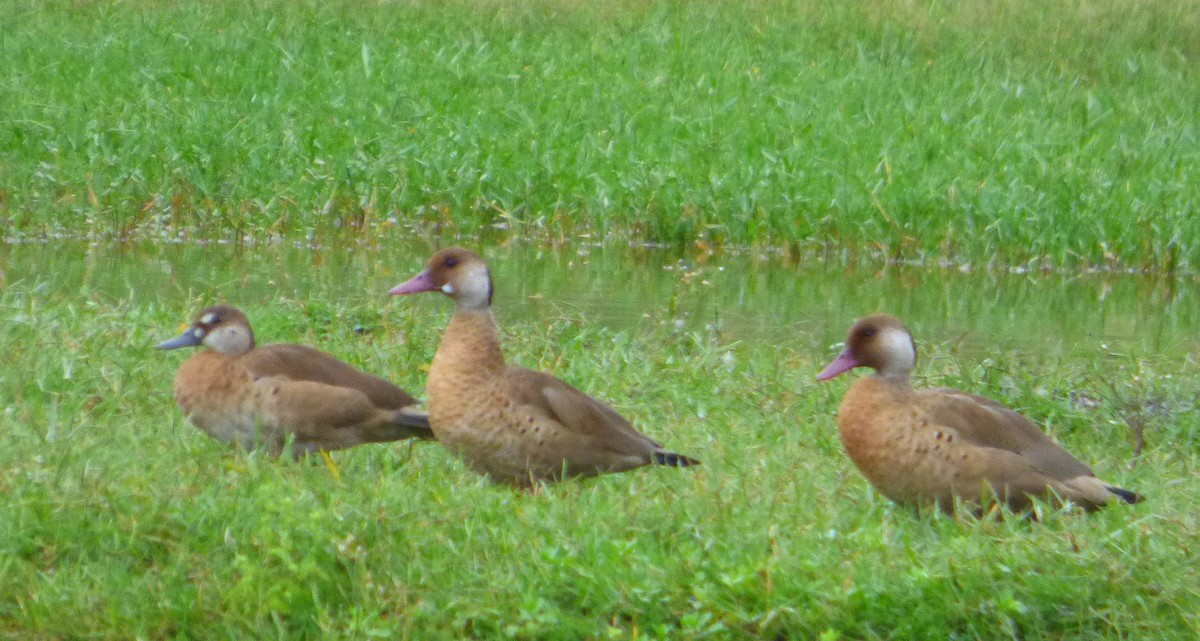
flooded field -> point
(119, 512)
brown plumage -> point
(239, 393)
(512, 424)
(929, 447)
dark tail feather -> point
(1126, 495)
(416, 422)
(671, 459)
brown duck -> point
(247, 395)
(512, 424)
(932, 446)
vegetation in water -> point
(992, 133)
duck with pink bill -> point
(936, 447)
(512, 424)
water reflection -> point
(747, 296)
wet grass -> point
(1009, 132)
(118, 520)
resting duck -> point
(512, 424)
(929, 447)
(250, 396)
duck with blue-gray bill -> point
(269, 395)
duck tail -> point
(413, 423)
(1126, 495)
(671, 459)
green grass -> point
(995, 133)
(118, 520)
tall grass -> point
(1010, 132)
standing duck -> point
(512, 424)
(239, 393)
(932, 446)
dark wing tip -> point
(1126, 495)
(671, 459)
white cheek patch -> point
(209, 318)
(229, 340)
(448, 289)
(897, 345)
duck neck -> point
(470, 344)
(898, 379)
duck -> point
(510, 424)
(263, 396)
(939, 447)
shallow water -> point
(746, 296)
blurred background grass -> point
(985, 132)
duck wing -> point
(300, 363)
(984, 422)
(593, 423)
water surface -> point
(745, 295)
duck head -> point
(456, 272)
(222, 328)
(880, 342)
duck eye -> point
(451, 262)
(869, 332)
